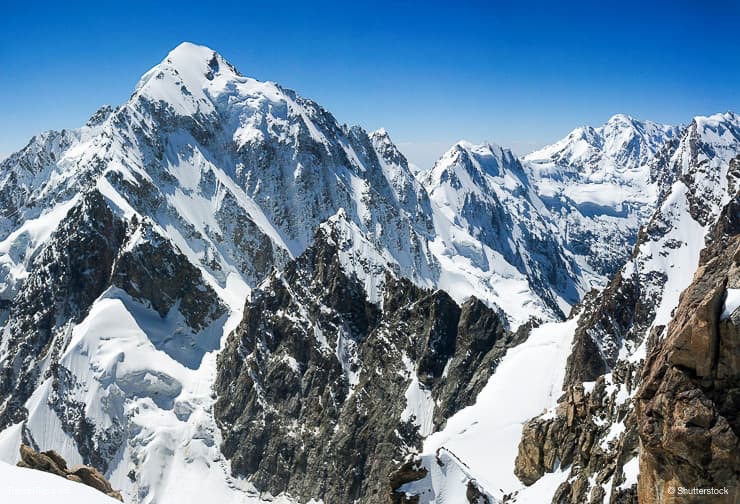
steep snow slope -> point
(487, 215)
(603, 184)
(292, 158)
(526, 383)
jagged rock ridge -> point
(316, 372)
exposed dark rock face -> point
(316, 373)
(474, 495)
(689, 400)
(624, 310)
(578, 438)
(620, 311)
(682, 421)
(177, 280)
(66, 277)
(92, 251)
(51, 462)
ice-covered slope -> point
(602, 184)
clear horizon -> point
(520, 76)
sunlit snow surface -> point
(601, 182)
(484, 438)
(36, 487)
(732, 302)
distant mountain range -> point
(216, 292)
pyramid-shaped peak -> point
(181, 77)
(620, 118)
(193, 59)
(189, 50)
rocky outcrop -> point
(410, 471)
(591, 434)
(687, 405)
(150, 269)
(618, 312)
(316, 372)
(481, 342)
(51, 462)
(702, 171)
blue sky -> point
(521, 74)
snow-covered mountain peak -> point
(602, 183)
(620, 118)
(380, 133)
(193, 56)
(586, 133)
(621, 122)
(190, 66)
(100, 116)
(720, 130)
(485, 148)
(385, 147)
(492, 217)
(466, 160)
(622, 143)
(196, 81)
